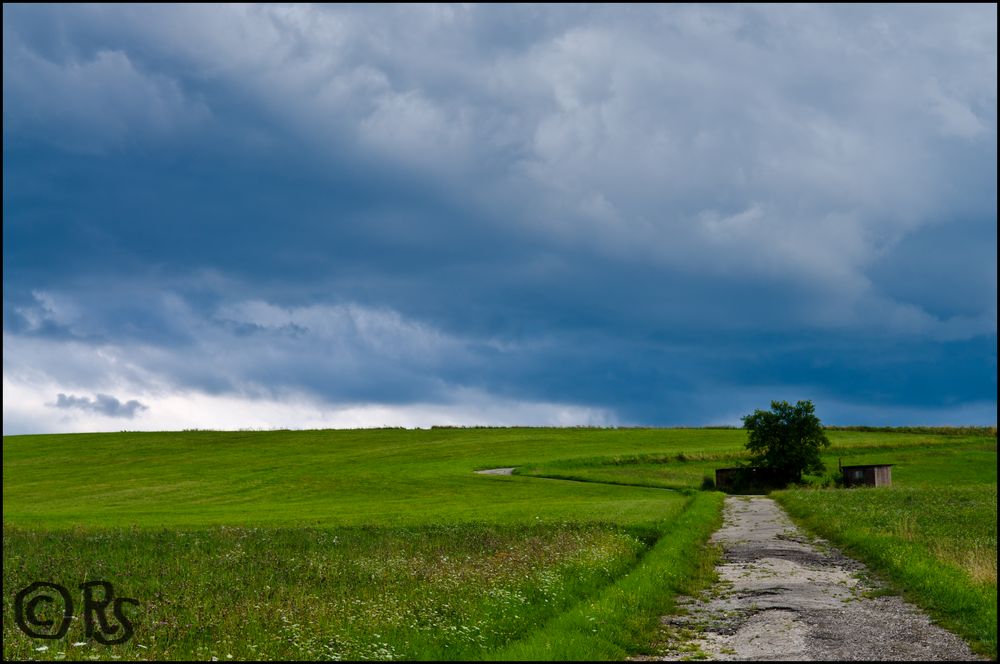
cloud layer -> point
(641, 215)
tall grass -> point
(299, 593)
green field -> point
(384, 544)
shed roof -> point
(871, 465)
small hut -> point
(727, 478)
(743, 478)
(878, 474)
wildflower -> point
(42, 648)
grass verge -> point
(624, 618)
(935, 545)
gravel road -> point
(785, 596)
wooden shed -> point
(879, 474)
(726, 478)
(742, 478)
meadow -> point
(384, 544)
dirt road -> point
(785, 596)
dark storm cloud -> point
(661, 211)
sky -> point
(256, 217)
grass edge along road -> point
(624, 618)
(906, 553)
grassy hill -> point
(384, 544)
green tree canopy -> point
(786, 440)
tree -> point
(786, 440)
